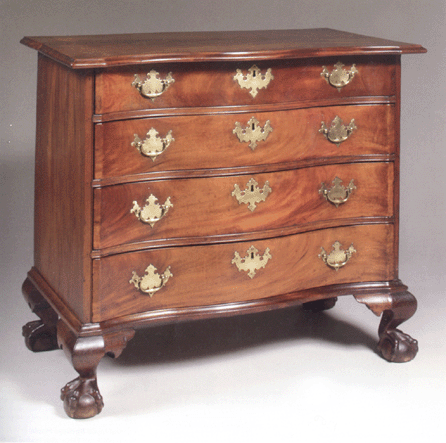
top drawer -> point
(213, 84)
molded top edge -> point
(102, 51)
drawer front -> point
(213, 84)
(213, 206)
(207, 142)
(209, 275)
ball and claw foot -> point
(398, 347)
(40, 337)
(81, 398)
(396, 305)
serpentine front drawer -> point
(282, 265)
(206, 207)
(230, 84)
(178, 143)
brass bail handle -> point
(337, 132)
(153, 145)
(338, 257)
(152, 86)
(337, 194)
(152, 211)
(151, 282)
(339, 77)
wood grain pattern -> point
(63, 195)
(208, 142)
(205, 275)
(205, 207)
(213, 84)
(99, 51)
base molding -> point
(375, 295)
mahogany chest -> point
(183, 176)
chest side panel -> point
(63, 197)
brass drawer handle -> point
(338, 132)
(152, 86)
(152, 211)
(254, 79)
(253, 133)
(337, 194)
(337, 257)
(152, 145)
(151, 281)
(252, 193)
(252, 262)
(339, 77)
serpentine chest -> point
(183, 176)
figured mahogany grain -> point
(213, 84)
(63, 173)
(206, 207)
(204, 275)
(206, 142)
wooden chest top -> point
(102, 51)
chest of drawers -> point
(193, 175)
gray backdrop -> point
(423, 204)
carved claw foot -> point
(395, 307)
(81, 398)
(396, 346)
(320, 305)
(40, 337)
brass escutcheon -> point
(152, 86)
(152, 211)
(151, 281)
(152, 145)
(252, 262)
(254, 79)
(339, 77)
(253, 133)
(337, 257)
(252, 193)
(337, 194)
(337, 133)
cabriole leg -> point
(394, 345)
(81, 396)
